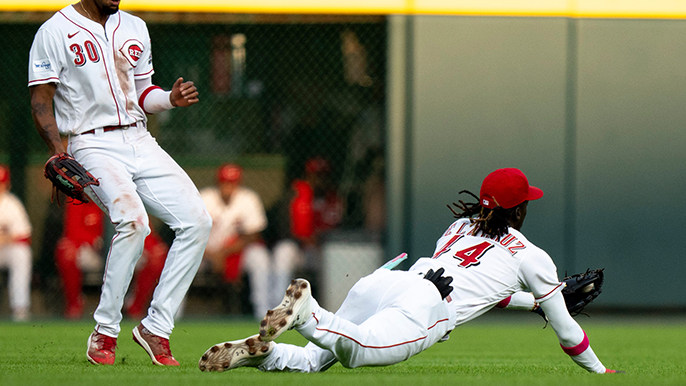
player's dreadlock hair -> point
(491, 222)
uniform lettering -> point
(516, 247)
(447, 246)
(507, 240)
(91, 52)
(79, 60)
(471, 256)
(450, 228)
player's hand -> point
(183, 94)
(441, 282)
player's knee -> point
(203, 225)
(137, 227)
(349, 361)
(196, 226)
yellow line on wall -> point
(670, 9)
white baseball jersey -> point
(14, 221)
(95, 68)
(243, 215)
(486, 271)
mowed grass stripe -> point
(53, 353)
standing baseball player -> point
(235, 243)
(15, 248)
(94, 63)
(390, 316)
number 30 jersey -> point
(486, 270)
(94, 67)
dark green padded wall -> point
(490, 92)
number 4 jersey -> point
(94, 67)
(486, 270)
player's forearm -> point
(519, 301)
(44, 116)
(572, 337)
(152, 99)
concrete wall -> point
(491, 92)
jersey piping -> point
(377, 347)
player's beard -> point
(111, 10)
(107, 8)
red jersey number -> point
(91, 52)
(470, 256)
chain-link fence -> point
(280, 95)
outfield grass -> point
(492, 353)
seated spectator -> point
(15, 250)
(79, 250)
(314, 209)
(235, 244)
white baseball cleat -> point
(248, 352)
(295, 309)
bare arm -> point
(44, 116)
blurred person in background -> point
(235, 244)
(314, 209)
(79, 250)
(15, 248)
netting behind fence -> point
(279, 96)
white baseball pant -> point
(16, 257)
(256, 263)
(386, 318)
(287, 258)
(135, 174)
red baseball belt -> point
(110, 128)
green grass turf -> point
(502, 352)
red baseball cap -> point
(507, 188)
(317, 165)
(4, 174)
(229, 173)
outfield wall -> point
(591, 109)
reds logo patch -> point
(132, 50)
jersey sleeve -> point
(538, 274)
(20, 226)
(44, 61)
(255, 218)
(144, 68)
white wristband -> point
(155, 100)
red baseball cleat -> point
(156, 346)
(101, 349)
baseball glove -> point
(69, 177)
(582, 289)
